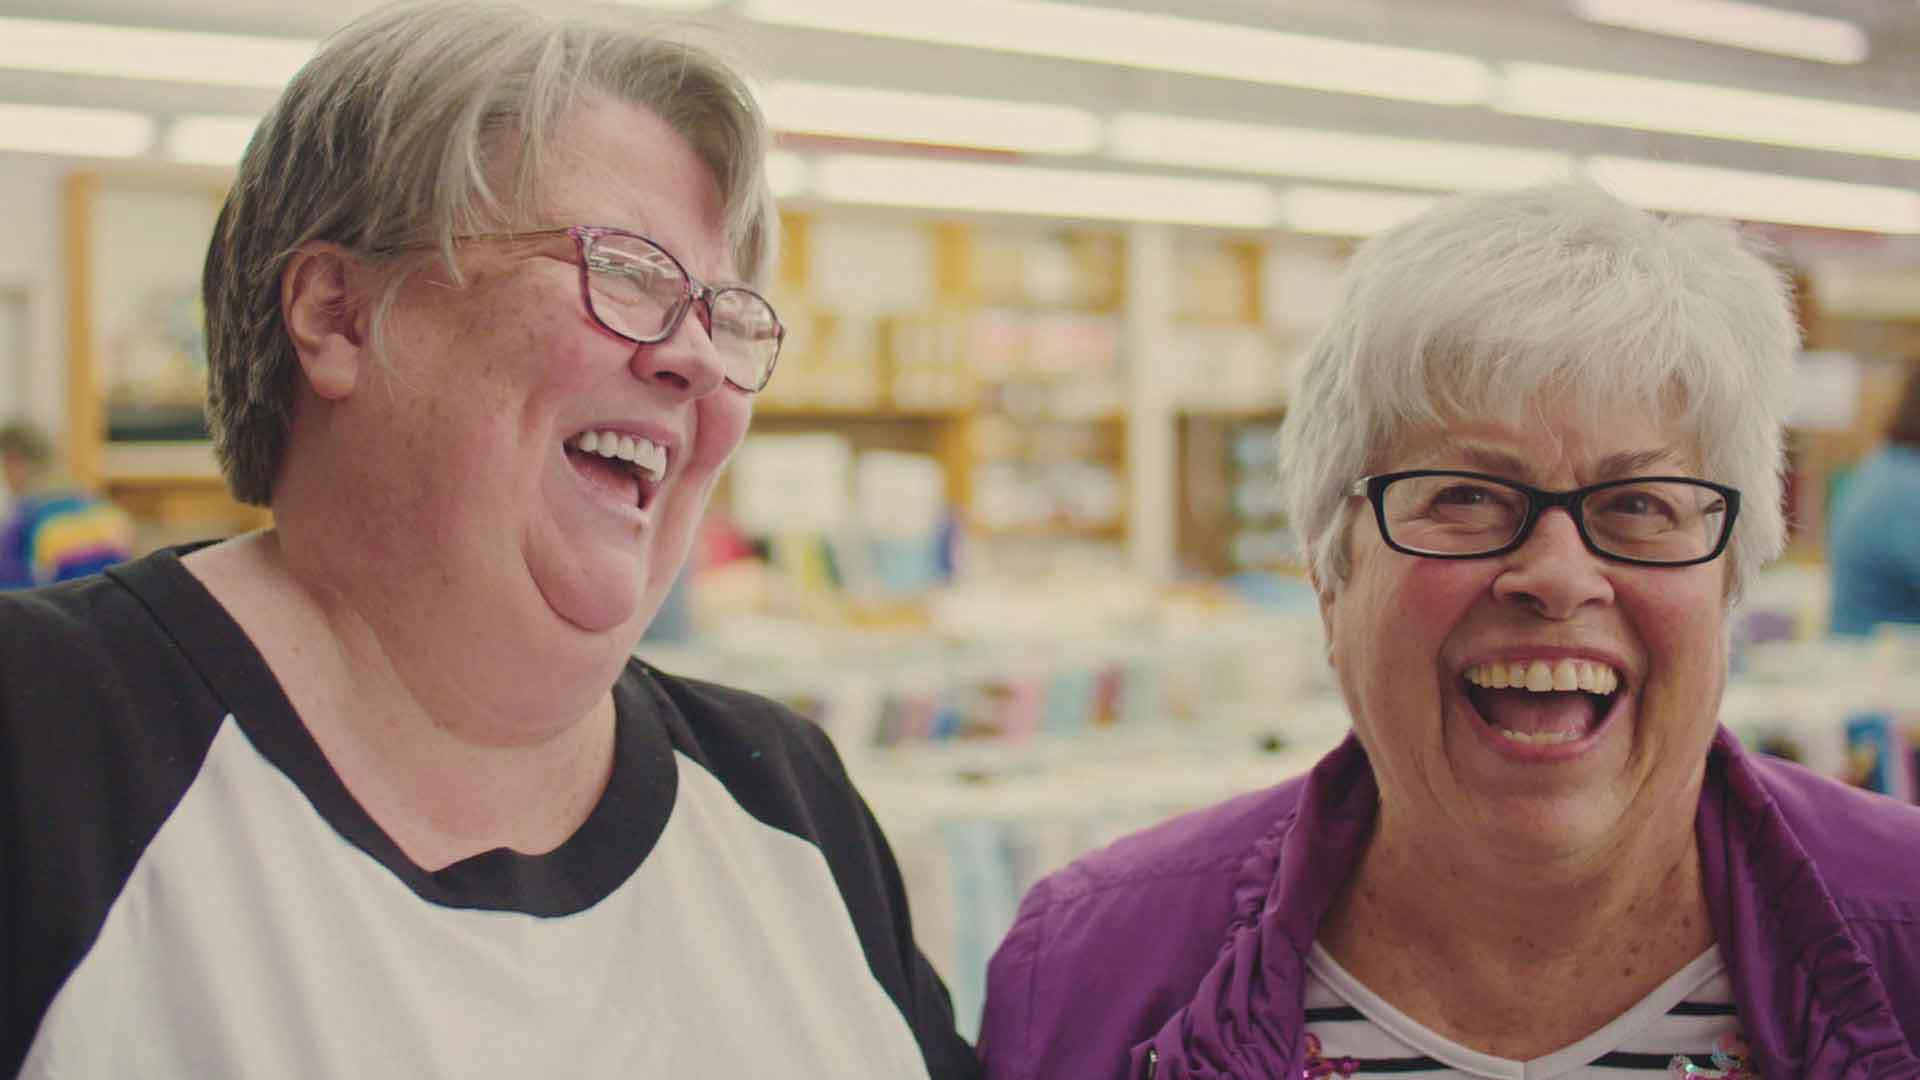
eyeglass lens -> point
(1654, 520)
(638, 291)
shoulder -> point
(1175, 855)
(92, 671)
(105, 722)
(777, 765)
(783, 770)
(1862, 848)
(726, 729)
(69, 639)
(1864, 844)
(1142, 919)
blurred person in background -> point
(1534, 460)
(1874, 549)
(50, 530)
(380, 790)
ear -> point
(326, 318)
(1325, 596)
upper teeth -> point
(1541, 676)
(645, 453)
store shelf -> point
(853, 415)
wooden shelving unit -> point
(135, 240)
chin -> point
(1549, 821)
(594, 608)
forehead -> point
(1564, 445)
(617, 164)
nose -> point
(1553, 573)
(685, 362)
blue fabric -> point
(59, 536)
(1874, 548)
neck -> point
(454, 740)
(1520, 957)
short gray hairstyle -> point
(385, 143)
(1491, 305)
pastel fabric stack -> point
(57, 537)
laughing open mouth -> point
(1537, 702)
(621, 463)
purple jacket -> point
(1186, 943)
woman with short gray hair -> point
(1533, 460)
(381, 790)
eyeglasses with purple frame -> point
(623, 269)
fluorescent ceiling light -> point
(1719, 112)
(208, 140)
(1329, 155)
(1347, 212)
(127, 52)
(1743, 26)
(786, 173)
(45, 129)
(1160, 42)
(1749, 196)
(858, 113)
(1019, 189)
(667, 5)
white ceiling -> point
(1496, 30)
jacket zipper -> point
(1153, 1063)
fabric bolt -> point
(1874, 544)
(1181, 952)
(59, 537)
(188, 889)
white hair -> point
(1494, 305)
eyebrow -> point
(1483, 458)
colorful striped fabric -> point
(56, 537)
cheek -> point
(722, 422)
(1395, 612)
(1683, 627)
(1421, 602)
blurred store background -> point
(1005, 524)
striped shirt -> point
(1690, 1016)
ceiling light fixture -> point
(48, 129)
(1018, 189)
(208, 140)
(128, 52)
(786, 174)
(1741, 25)
(941, 120)
(1751, 196)
(667, 5)
(1154, 41)
(1347, 212)
(1718, 112)
(1329, 155)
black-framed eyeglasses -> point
(1644, 520)
(636, 289)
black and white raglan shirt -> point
(188, 890)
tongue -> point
(615, 477)
(1533, 714)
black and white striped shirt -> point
(1691, 1016)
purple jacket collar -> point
(1810, 997)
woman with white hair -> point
(381, 791)
(1534, 459)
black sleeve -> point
(784, 771)
(923, 997)
(102, 726)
